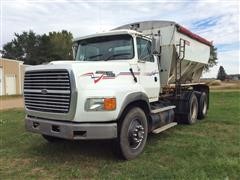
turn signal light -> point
(109, 104)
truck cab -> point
(130, 48)
(111, 90)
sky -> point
(215, 20)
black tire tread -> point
(122, 150)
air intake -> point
(47, 90)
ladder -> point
(178, 65)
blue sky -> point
(214, 20)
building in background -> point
(234, 77)
(11, 76)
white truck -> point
(137, 79)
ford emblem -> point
(44, 91)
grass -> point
(207, 150)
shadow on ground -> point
(91, 149)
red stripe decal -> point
(185, 31)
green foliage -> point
(212, 59)
(37, 49)
(206, 150)
(61, 45)
(222, 75)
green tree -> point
(22, 47)
(212, 59)
(37, 49)
(222, 75)
(61, 45)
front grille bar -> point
(47, 91)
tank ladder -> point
(178, 67)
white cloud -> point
(229, 60)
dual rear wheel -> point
(202, 105)
(197, 108)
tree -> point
(22, 47)
(37, 49)
(212, 59)
(222, 75)
(61, 45)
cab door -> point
(149, 72)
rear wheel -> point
(192, 111)
(132, 133)
(202, 105)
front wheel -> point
(132, 134)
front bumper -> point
(71, 130)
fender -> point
(136, 96)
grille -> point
(47, 91)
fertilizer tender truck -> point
(123, 84)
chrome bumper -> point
(71, 130)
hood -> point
(99, 74)
(95, 74)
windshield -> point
(105, 48)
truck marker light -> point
(109, 104)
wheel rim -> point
(204, 111)
(193, 111)
(136, 133)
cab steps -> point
(159, 110)
(163, 128)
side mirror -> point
(156, 46)
(74, 50)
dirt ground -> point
(223, 85)
(227, 85)
(13, 102)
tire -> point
(132, 134)
(191, 116)
(51, 139)
(202, 105)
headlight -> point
(100, 104)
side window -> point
(144, 49)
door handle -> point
(155, 79)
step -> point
(162, 109)
(163, 128)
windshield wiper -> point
(90, 57)
(115, 55)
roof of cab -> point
(108, 33)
